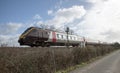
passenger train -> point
(35, 36)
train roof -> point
(48, 29)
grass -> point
(79, 65)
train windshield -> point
(27, 30)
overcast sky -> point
(96, 19)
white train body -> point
(59, 37)
(35, 36)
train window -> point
(34, 31)
(62, 36)
(47, 33)
(57, 35)
(74, 38)
(71, 37)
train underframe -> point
(33, 43)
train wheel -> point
(43, 44)
(73, 45)
(31, 45)
(37, 43)
(47, 45)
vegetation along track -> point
(47, 59)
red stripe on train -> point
(53, 36)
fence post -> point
(54, 62)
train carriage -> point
(35, 36)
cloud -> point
(10, 28)
(66, 15)
(114, 35)
(9, 33)
(96, 1)
(59, 3)
(50, 12)
(104, 16)
(10, 40)
(100, 22)
(37, 17)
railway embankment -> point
(47, 60)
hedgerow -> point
(47, 60)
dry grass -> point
(46, 60)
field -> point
(47, 60)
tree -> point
(43, 26)
(4, 45)
(52, 27)
(116, 45)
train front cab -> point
(33, 37)
(22, 38)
